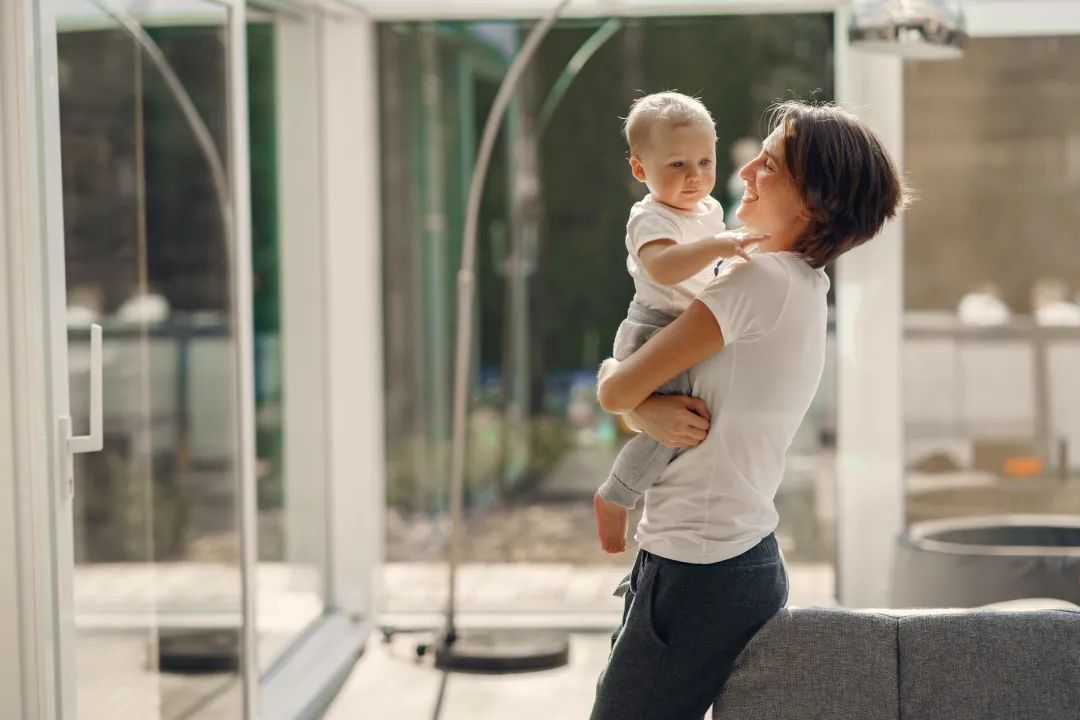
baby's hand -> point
(735, 242)
(611, 523)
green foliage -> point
(502, 461)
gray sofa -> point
(983, 664)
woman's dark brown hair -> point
(846, 178)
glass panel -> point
(551, 290)
(291, 482)
(992, 280)
(144, 131)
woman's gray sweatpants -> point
(683, 626)
(642, 460)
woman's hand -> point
(675, 421)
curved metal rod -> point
(465, 296)
(199, 129)
(573, 67)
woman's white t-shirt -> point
(716, 501)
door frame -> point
(36, 519)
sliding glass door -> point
(144, 158)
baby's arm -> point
(669, 263)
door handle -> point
(94, 441)
(75, 444)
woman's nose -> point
(746, 172)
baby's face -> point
(678, 165)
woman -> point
(709, 572)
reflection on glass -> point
(551, 290)
(992, 310)
(157, 580)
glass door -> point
(142, 166)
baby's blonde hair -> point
(669, 107)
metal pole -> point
(465, 298)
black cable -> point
(442, 694)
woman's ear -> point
(637, 168)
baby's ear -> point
(637, 168)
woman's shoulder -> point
(802, 272)
(764, 281)
(783, 267)
(749, 297)
(760, 268)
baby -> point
(674, 239)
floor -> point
(124, 609)
(391, 682)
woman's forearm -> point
(608, 393)
(617, 395)
(689, 339)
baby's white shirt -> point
(652, 220)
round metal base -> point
(199, 650)
(503, 651)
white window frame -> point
(869, 284)
(394, 10)
(869, 321)
(352, 267)
(332, 286)
(331, 295)
(242, 299)
(36, 523)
